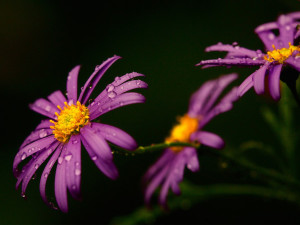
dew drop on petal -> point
(43, 133)
(77, 172)
(94, 158)
(24, 155)
(68, 157)
(114, 134)
(46, 175)
(271, 36)
(60, 160)
(112, 94)
(117, 78)
(75, 141)
(48, 108)
(73, 187)
(36, 166)
(110, 88)
(122, 87)
(77, 164)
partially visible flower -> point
(168, 171)
(70, 124)
(281, 50)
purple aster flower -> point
(168, 171)
(59, 138)
(281, 51)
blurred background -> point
(41, 41)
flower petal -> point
(44, 124)
(72, 84)
(96, 142)
(208, 139)
(294, 61)
(57, 98)
(31, 149)
(73, 166)
(232, 62)
(245, 86)
(118, 101)
(94, 79)
(259, 79)
(274, 82)
(237, 50)
(60, 185)
(37, 134)
(44, 107)
(115, 136)
(46, 173)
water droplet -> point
(77, 164)
(46, 175)
(24, 155)
(36, 166)
(110, 88)
(114, 134)
(112, 94)
(48, 108)
(121, 103)
(74, 141)
(81, 88)
(97, 67)
(94, 158)
(122, 87)
(219, 43)
(138, 83)
(23, 195)
(69, 77)
(68, 157)
(43, 133)
(73, 187)
(60, 160)
(237, 47)
(271, 36)
(234, 43)
(117, 78)
(91, 86)
(77, 172)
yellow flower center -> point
(280, 55)
(69, 121)
(182, 131)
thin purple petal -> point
(72, 84)
(115, 136)
(232, 62)
(57, 98)
(237, 50)
(259, 79)
(44, 107)
(94, 79)
(60, 186)
(245, 86)
(208, 139)
(274, 81)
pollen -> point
(69, 121)
(280, 55)
(182, 131)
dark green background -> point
(41, 41)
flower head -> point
(169, 169)
(281, 50)
(71, 123)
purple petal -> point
(286, 31)
(118, 101)
(192, 159)
(106, 166)
(220, 84)
(237, 50)
(175, 188)
(57, 98)
(268, 38)
(73, 166)
(44, 124)
(35, 135)
(44, 107)
(294, 15)
(166, 157)
(94, 79)
(47, 171)
(245, 86)
(274, 82)
(72, 84)
(115, 136)
(96, 142)
(118, 81)
(31, 149)
(232, 62)
(208, 139)
(294, 61)
(60, 185)
(297, 34)
(259, 79)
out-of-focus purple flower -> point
(168, 171)
(281, 50)
(70, 125)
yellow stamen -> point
(182, 131)
(280, 55)
(69, 121)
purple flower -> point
(168, 170)
(70, 124)
(281, 51)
